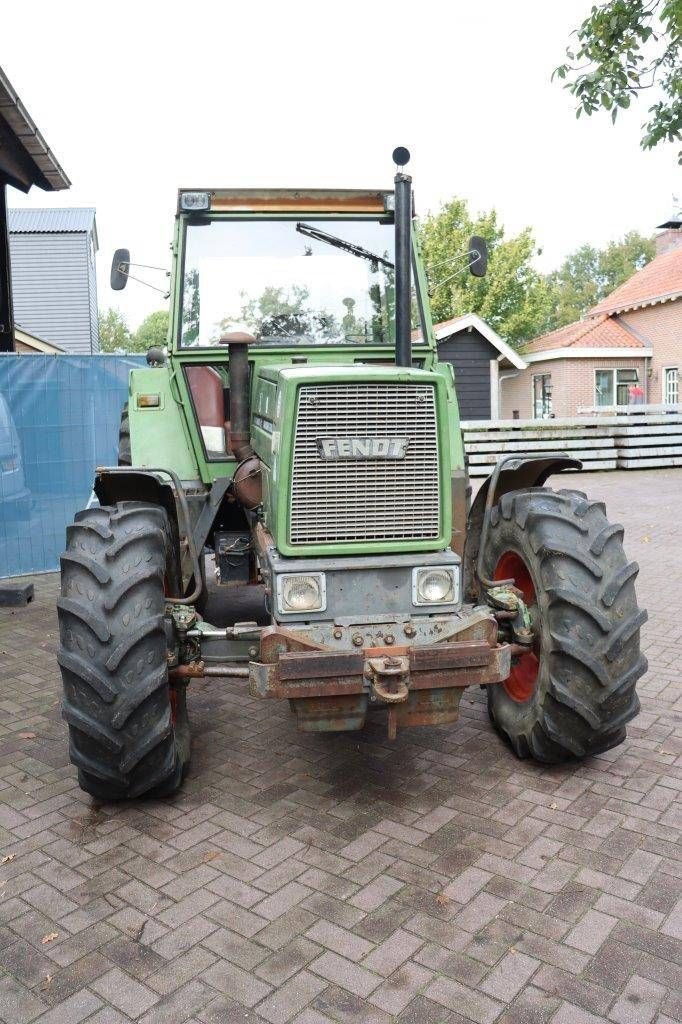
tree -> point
(626, 47)
(588, 275)
(513, 297)
(191, 308)
(152, 332)
(280, 313)
(114, 333)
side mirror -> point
(478, 256)
(120, 267)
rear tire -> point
(588, 656)
(124, 453)
(124, 737)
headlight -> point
(301, 593)
(195, 201)
(437, 585)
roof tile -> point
(658, 281)
(596, 332)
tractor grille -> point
(365, 499)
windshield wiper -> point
(341, 243)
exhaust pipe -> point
(403, 255)
(240, 433)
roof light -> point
(195, 201)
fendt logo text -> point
(362, 447)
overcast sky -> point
(139, 98)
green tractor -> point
(301, 429)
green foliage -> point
(588, 275)
(285, 313)
(626, 47)
(114, 334)
(152, 332)
(513, 297)
(280, 313)
(190, 309)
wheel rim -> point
(521, 682)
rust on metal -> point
(283, 200)
(389, 678)
(416, 685)
(320, 664)
(462, 654)
(247, 482)
(327, 672)
(194, 670)
(199, 670)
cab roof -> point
(283, 200)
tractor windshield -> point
(289, 281)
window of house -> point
(542, 396)
(614, 387)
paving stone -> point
(239, 984)
(291, 997)
(509, 976)
(125, 993)
(437, 865)
(392, 952)
(638, 1002)
(593, 929)
(376, 893)
(18, 1004)
(399, 989)
(285, 962)
(345, 974)
(339, 940)
(72, 1010)
(470, 1004)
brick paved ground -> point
(346, 879)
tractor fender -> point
(518, 474)
(135, 485)
(141, 485)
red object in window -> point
(207, 392)
(636, 394)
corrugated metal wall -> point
(52, 289)
(59, 418)
(92, 297)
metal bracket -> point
(388, 679)
(208, 513)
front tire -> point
(574, 693)
(125, 736)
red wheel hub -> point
(521, 681)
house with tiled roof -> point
(626, 350)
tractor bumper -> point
(333, 690)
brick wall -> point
(668, 240)
(572, 385)
(660, 325)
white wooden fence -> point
(616, 439)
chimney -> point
(670, 236)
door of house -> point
(671, 385)
(542, 396)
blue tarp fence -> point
(59, 419)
